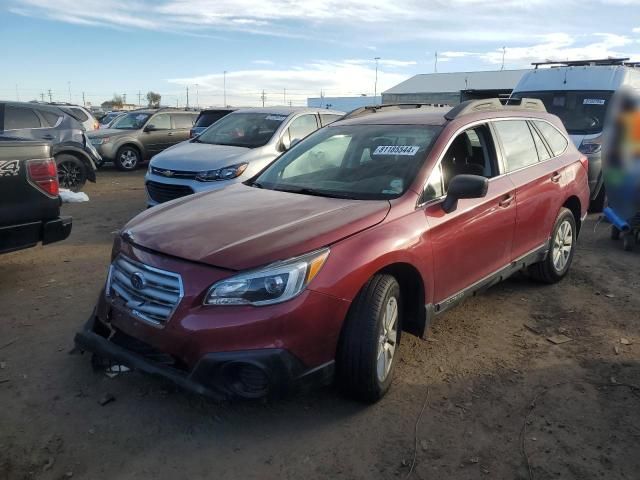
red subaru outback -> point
(367, 228)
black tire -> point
(72, 173)
(127, 158)
(357, 363)
(628, 241)
(615, 233)
(553, 269)
(597, 204)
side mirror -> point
(150, 128)
(464, 186)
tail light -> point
(43, 175)
(585, 163)
(591, 146)
(96, 125)
(191, 133)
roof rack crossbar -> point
(495, 105)
(582, 63)
(369, 109)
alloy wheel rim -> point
(68, 174)
(128, 159)
(387, 339)
(562, 246)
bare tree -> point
(154, 99)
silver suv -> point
(231, 150)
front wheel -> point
(561, 249)
(71, 172)
(127, 158)
(370, 340)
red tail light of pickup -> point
(43, 175)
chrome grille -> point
(166, 172)
(148, 293)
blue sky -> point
(102, 47)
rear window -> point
(207, 118)
(581, 112)
(555, 139)
(19, 117)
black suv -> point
(29, 201)
(75, 157)
(140, 134)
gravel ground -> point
(500, 401)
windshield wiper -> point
(316, 193)
(257, 185)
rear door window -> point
(556, 140)
(16, 118)
(517, 143)
(182, 120)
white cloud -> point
(332, 78)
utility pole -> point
(42, 96)
(197, 99)
(84, 103)
(504, 50)
(224, 87)
(263, 97)
(375, 85)
(187, 96)
(124, 99)
(50, 96)
(69, 85)
(139, 97)
(435, 65)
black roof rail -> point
(495, 105)
(582, 63)
(358, 112)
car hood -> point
(241, 227)
(194, 157)
(109, 132)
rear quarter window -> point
(556, 140)
(183, 120)
(50, 117)
(80, 114)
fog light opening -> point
(247, 380)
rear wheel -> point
(562, 246)
(628, 241)
(370, 339)
(615, 233)
(127, 158)
(71, 172)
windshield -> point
(108, 118)
(353, 161)
(582, 112)
(131, 121)
(243, 129)
(207, 118)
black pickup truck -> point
(29, 201)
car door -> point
(536, 176)
(158, 134)
(473, 241)
(182, 123)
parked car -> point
(206, 118)
(75, 157)
(82, 114)
(141, 134)
(364, 230)
(29, 201)
(231, 150)
(109, 118)
(579, 92)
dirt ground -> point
(500, 400)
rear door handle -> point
(506, 201)
(555, 178)
(170, 134)
(47, 137)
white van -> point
(579, 93)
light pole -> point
(375, 85)
(197, 100)
(69, 85)
(224, 87)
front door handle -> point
(170, 134)
(47, 137)
(555, 178)
(506, 201)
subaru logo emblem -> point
(167, 173)
(138, 281)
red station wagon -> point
(367, 228)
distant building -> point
(344, 104)
(453, 88)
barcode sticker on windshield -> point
(276, 117)
(396, 150)
(593, 101)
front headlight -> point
(274, 283)
(100, 141)
(226, 173)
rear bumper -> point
(217, 375)
(17, 237)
